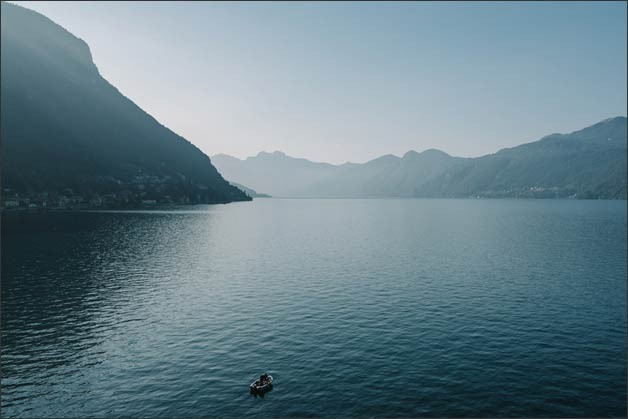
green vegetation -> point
(69, 134)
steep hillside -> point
(590, 163)
(67, 132)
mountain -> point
(68, 133)
(276, 172)
(589, 163)
(250, 192)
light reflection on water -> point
(356, 307)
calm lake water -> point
(358, 308)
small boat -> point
(262, 384)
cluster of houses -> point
(529, 192)
(141, 190)
(68, 199)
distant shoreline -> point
(109, 208)
(178, 207)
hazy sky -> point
(352, 81)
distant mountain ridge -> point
(589, 163)
(68, 135)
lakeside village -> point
(109, 193)
(146, 190)
(144, 196)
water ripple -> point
(359, 308)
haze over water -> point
(358, 308)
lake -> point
(378, 308)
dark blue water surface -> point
(358, 308)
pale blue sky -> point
(352, 81)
